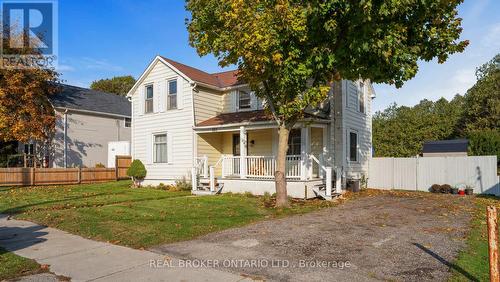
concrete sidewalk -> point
(86, 260)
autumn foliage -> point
(25, 111)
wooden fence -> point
(55, 176)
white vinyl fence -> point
(418, 174)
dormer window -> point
(244, 100)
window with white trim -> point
(160, 148)
(172, 94)
(361, 99)
(148, 99)
(244, 100)
(128, 122)
(353, 146)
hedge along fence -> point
(55, 176)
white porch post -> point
(338, 181)
(328, 181)
(205, 166)
(212, 179)
(243, 152)
(194, 182)
(305, 149)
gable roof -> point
(220, 79)
(445, 146)
(78, 98)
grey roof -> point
(445, 146)
(77, 98)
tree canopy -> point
(400, 131)
(289, 51)
(119, 85)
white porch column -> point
(305, 149)
(243, 152)
(194, 179)
(212, 179)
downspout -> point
(65, 121)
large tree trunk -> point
(280, 174)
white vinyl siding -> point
(177, 123)
(361, 123)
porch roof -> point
(249, 118)
(236, 118)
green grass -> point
(13, 266)
(472, 263)
(141, 217)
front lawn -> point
(13, 266)
(141, 217)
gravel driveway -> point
(381, 236)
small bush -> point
(99, 165)
(445, 189)
(436, 188)
(183, 185)
(249, 194)
(137, 171)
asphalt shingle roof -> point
(77, 98)
(445, 146)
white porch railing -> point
(201, 165)
(259, 166)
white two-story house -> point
(210, 128)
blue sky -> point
(106, 38)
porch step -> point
(322, 194)
(204, 188)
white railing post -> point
(212, 179)
(321, 172)
(194, 179)
(243, 152)
(305, 144)
(223, 175)
(328, 181)
(338, 181)
(205, 166)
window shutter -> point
(236, 98)
(162, 99)
(149, 149)
(141, 100)
(170, 150)
(156, 98)
(180, 92)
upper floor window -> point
(244, 100)
(148, 99)
(128, 122)
(361, 99)
(353, 146)
(172, 94)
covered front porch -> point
(242, 158)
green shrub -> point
(99, 165)
(183, 185)
(137, 171)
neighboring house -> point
(184, 117)
(86, 121)
(445, 148)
